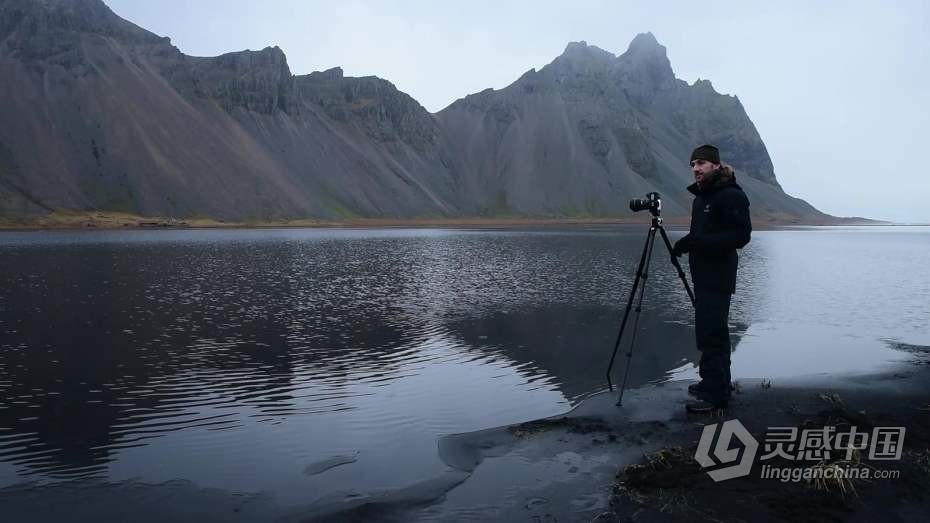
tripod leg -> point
(629, 304)
(650, 242)
(681, 272)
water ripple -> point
(235, 358)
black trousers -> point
(712, 334)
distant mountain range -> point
(98, 114)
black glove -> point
(682, 246)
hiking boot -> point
(697, 389)
(704, 407)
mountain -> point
(98, 114)
(590, 130)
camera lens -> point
(652, 203)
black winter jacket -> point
(720, 224)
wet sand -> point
(635, 462)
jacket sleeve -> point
(734, 223)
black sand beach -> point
(601, 462)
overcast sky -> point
(839, 91)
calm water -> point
(244, 360)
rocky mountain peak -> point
(64, 10)
(582, 53)
(332, 74)
(646, 43)
(38, 19)
(645, 52)
(704, 85)
(645, 66)
(259, 81)
(269, 59)
(580, 69)
(372, 104)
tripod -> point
(642, 275)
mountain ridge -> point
(106, 116)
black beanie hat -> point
(706, 152)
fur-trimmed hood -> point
(722, 177)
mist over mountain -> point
(99, 114)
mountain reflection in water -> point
(241, 359)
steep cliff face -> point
(259, 81)
(99, 114)
(590, 130)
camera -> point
(652, 203)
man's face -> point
(702, 168)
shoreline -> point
(596, 462)
(600, 462)
(119, 221)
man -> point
(719, 225)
